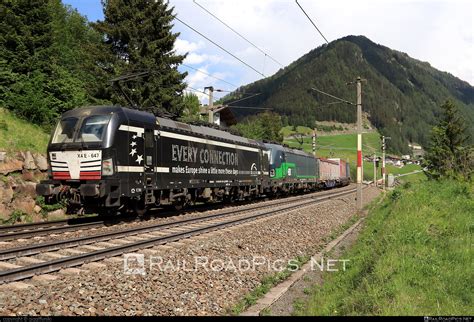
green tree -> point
(139, 35)
(448, 154)
(263, 126)
(47, 64)
(192, 107)
(26, 34)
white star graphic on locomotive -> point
(134, 137)
(134, 151)
(139, 158)
(133, 144)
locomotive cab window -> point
(93, 128)
(64, 132)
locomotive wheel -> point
(180, 205)
(139, 207)
(229, 198)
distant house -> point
(223, 115)
(396, 161)
(417, 150)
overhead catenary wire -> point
(237, 33)
(312, 21)
(242, 99)
(219, 46)
(195, 90)
(210, 75)
(251, 107)
(332, 96)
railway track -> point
(78, 251)
(12, 232)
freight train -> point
(113, 159)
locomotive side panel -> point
(303, 166)
(187, 161)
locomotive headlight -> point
(107, 167)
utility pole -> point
(359, 133)
(314, 142)
(375, 170)
(383, 159)
(359, 143)
(210, 112)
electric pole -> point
(359, 134)
(375, 170)
(383, 159)
(314, 142)
(210, 112)
(359, 143)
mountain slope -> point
(402, 95)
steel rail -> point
(50, 230)
(29, 230)
(55, 265)
(34, 249)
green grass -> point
(288, 130)
(19, 135)
(344, 146)
(414, 257)
(413, 178)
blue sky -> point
(92, 9)
(437, 31)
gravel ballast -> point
(199, 276)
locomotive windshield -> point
(65, 130)
(92, 129)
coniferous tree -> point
(263, 126)
(192, 108)
(449, 155)
(139, 35)
(46, 59)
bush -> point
(16, 217)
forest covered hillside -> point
(402, 95)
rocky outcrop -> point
(41, 162)
(10, 165)
(29, 161)
(6, 193)
(19, 175)
(56, 214)
(26, 204)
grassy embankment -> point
(19, 135)
(344, 146)
(414, 257)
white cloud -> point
(195, 59)
(439, 32)
(182, 46)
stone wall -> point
(19, 174)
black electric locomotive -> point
(106, 158)
(111, 158)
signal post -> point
(359, 143)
